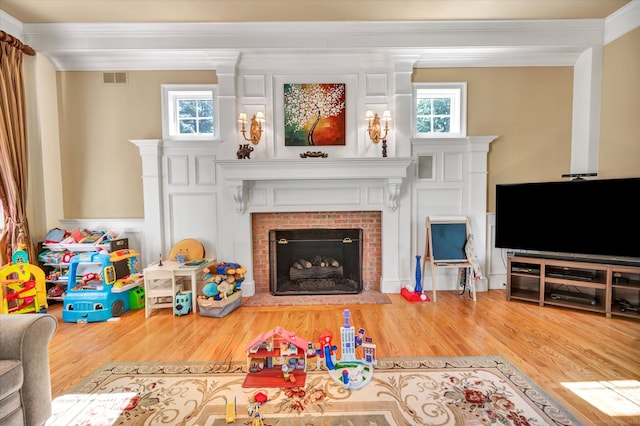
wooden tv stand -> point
(590, 286)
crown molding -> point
(622, 21)
(11, 25)
(157, 46)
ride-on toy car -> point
(99, 285)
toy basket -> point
(220, 308)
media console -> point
(601, 287)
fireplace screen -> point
(315, 261)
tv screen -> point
(588, 217)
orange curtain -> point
(13, 150)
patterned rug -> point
(404, 391)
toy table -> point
(181, 270)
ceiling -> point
(58, 11)
(107, 35)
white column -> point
(151, 153)
(403, 108)
(227, 100)
(585, 131)
(477, 193)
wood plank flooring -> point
(550, 345)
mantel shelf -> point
(390, 171)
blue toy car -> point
(99, 286)
(183, 303)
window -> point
(440, 109)
(189, 112)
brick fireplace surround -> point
(369, 221)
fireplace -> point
(315, 261)
(370, 222)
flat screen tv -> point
(595, 217)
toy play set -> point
(278, 358)
(102, 286)
(22, 286)
(349, 371)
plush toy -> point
(222, 280)
(225, 288)
(210, 289)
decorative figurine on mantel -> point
(314, 154)
(244, 151)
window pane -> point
(187, 108)
(187, 126)
(423, 107)
(423, 124)
(205, 109)
(441, 124)
(442, 106)
(206, 125)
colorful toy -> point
(272, 359)
(23, 287)
(222, 280)
(187, 249)
(349, 371)
(255, 415)
(136, 298)
(183, 303)
(230, 411)
(99, 285)
(326, 352)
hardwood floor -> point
(550, 345)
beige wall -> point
(101, 169)
(44, 196)
(528, 108)
(620, 123)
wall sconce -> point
(374, 128)
(255, 130)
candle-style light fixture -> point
(375, 130)
(255, 130)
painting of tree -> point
(314, 114)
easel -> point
(446, 247)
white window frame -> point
(171, 93)
(457, 92)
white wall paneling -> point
(458, 188)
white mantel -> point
(390, 172)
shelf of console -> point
(610, 289)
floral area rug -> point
(404, 391)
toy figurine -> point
(256, 416)
(244, 151)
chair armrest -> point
(26, 337)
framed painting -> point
(314, 114)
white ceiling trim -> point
(11, 25)
(158, 46)
(623, 20)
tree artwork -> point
(314, 114)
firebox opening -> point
(315, 261)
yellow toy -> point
(230, 412)
(23, 289)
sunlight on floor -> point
(613, 397)
(98, 409)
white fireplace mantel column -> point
(151, 154)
